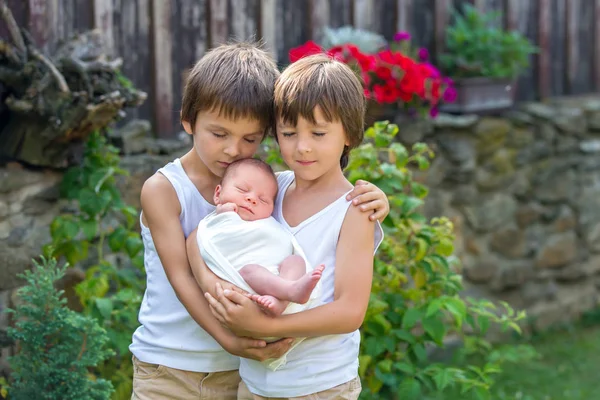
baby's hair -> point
(235, 79)
(254, 162)
(321, 80)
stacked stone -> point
(523, 189)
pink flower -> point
(402, 35)
(423, 54)
(433, 112)
(449, 94)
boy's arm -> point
(369, 198)
(353, 276)
(161, 210)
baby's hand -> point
(221, 208)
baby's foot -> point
(270, 305)
(303, 287)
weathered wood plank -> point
(404, 9)
(511, 14)
(189, 29)
(162, 82)
(268, 26)
(319, 18)
(291, 33)
(571, 13)
(422, 27)
(103, 20)
(558, 48)
(584, 77)
(441, 19)
(340, 13)
(219, 28)
(597, 44)
(243, 17)
(385, 17)
(38, 21)
(544, 72)
(363, 14)
(526, 22)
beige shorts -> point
(157, 382)
(346, 391)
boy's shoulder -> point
(158, 190)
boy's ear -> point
(217, 194)
(187, 127)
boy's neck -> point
(332, 180)
(202, 177)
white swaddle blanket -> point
(228, 243)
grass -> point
(566, 370)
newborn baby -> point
(241, 243)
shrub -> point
(56, 345)
(101, 227)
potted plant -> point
(484, 61)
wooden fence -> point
(160, 39)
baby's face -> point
(251, 189)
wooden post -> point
(441, 18)
(511, 14)
(571, 8)
(219, 31)
(596, 63)
(38, 21)
(544, 26)
(319, 18)
(404, 11)
(363, 14)
(162, 64)
(103, 20)
(268, 13)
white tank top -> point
(318, 363)
(168, 335)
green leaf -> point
(409, 389)
(484, 323)
(404, 335)
(411, 316)
(116, 240)
(443, 378)
(435, 328)
(419, 352)
(408, 369)
(104, 306)
(89, 228)
(411, 204)
(133, 244)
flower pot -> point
(481, 95)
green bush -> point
(56, 345)
(415, 304)
(103, 223)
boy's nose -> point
(232, 151)
(251, 199)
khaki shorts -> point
(346, 391)
(157, 382)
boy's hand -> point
(221, 208)
(256, 349)
(369, 198)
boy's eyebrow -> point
(218, 127)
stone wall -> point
(29, 201)
(523, 189)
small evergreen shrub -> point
(57, 345)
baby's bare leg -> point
(293, 284)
